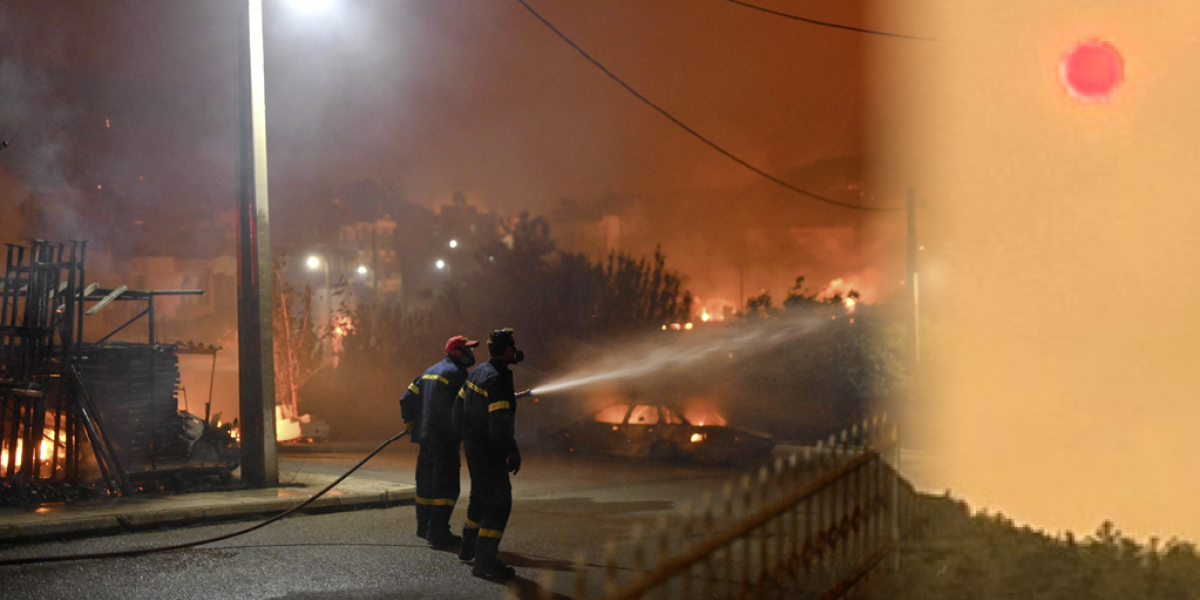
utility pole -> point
(914, 335)
(256, 360)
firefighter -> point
(488, 407)
(428, 410)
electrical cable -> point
(695, 133)
(140, 551)
(834, 25)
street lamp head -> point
(362, 270)
(453, 243)
(313, 262)
(441, 264)
(311, 6)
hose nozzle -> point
(524, 394)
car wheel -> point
(664, 451)
(560, 441)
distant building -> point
(597, 228)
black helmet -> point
(501, 339)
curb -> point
(23, 526)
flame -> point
(842, 288)
(696, 437)
(43, 457)
(699, 413)
(235, 432)
(713, 309)
(342, 327)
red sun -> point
(1092, 70)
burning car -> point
(661, 433)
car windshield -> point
(644, 414)
(614, 414)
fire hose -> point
(140, 551)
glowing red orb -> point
(1092, 70)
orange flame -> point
(43, 456)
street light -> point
(314, 262)
(362, 270)
(441, 264)
(453, 243)
(256, 360)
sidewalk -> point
(104, 517)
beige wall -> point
(1064, 356)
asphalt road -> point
(562, 504)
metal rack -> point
(48, 407)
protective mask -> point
(468, 357)
(518, 356)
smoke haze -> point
(1062, 360)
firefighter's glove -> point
(408, 426)
(514, 461)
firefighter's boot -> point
(439, 528)
(487, 565)
(467, 552)
(423, 521)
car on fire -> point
(661, 433)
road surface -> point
(562, 504)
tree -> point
(297, 338)
(551, 298)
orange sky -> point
(1064, 371)
(461, 95)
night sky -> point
(139, 97)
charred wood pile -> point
(77, 416)
(133, 386)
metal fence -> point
(819, 524)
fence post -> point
(895, 438)
(581, 591)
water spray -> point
(654, 358)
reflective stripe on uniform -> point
(412, 387)
(424, 501)
(437, 377)
(443, 501)
(461, 394)
(491, 533)
(472, 524)
(499, 405)
(477, 389)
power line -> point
(695, 133)
(834, 25)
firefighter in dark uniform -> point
(428, 409)
(488, 407)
